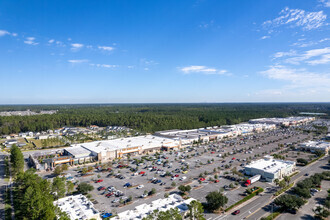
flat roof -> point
(77, 207)
(316, 144)
(146, 142)
(141, 211)
(269, 165)
(77, 150)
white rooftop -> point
(77, 151)
(316, 144)
(269, 164)
(78, 207)
(141, 211)
(148, 141)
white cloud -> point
(301, 84)
(14, 34)
(104, 65)
(76, 46)
(298, 77)
(304, 44)
(147, 62)
(51, 41)
(283, 54)
(106, 48)
(298, 18)
(205, 25)
(201, 69)
(264, 37)
(30, 41)
(324, 39)
(309, 55)
(78, 61)
(326, 3)
(323, 60)
(3, 33)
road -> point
(3, 185)
(266, 210)
(255, 208)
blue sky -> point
(164, 51)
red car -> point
(202, 179)
(216, 181)
(233, 158)
(109, 194)
(212, 152)
(236, 212)
(142, 172)
(176, 175)
(99, 181)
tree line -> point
(149, 117)
(34, 196)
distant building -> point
(283, 121)
(42, 137)
(78, 207)
(270, 169)
(315, 145)
(110, 149)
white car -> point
(173, 178)
(144, 195)
(183, 178)
(140, 187)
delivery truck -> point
(252, 180)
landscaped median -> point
(295, 173)
(271, 216)
(312, 161)
(283, 189)
(256, 192)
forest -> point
(150, 117)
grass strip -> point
(246, 198)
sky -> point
(153, 51)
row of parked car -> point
(110, 191)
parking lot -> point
(198, 166)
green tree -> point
(215, 200)
(282, 184)
(57, 170)
(84, 170)
(58, 187)
(65, 167)
(289, 202)
(184, 188)
(321, 212)
(16, 159)
(302, 192)
(34, 199)
(84, 188)
(195, 210)
(287, 179)
(302, 161)
(69, 187)
(152, 191)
